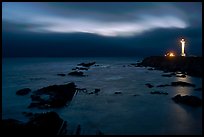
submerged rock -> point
(53, 96)
(23, 92)
(198, 89)
(76, 73)
(149, 85)
(188, 100)
(118, 92)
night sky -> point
(100, 29)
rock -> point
(90, 93)
(180, 83)
(136, 95)
(28, 114)
(158, 92)
(23, 92)
(76, 73)
(53, 96)
(165, 85)
(190, 65)
(118, 92)
(39, 124)
(149, 85)
(86, 64)
(97, 90)
(188, 100)
(61, 75)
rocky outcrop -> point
(23, 92)
(53, 96)
(86, 64)
(190, 65)
(39, 124)
(188, 100)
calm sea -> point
(106, 112)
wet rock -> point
(61, 75)
(39, 124)
(188, 100)
(180, 83)
(118, 92)
(53, 96)
(136, 95)
(158, 92)
(23, 92)
(91, 93)
(96, 90)
(149, 85)
(191, 65)
(27, 114)
(86, 64)
(76, 73)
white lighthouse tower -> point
(183, 46)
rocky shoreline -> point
(192, 66)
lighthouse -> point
(183, 46)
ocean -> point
(133, 112)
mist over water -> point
(134, 111)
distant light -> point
(170, 54)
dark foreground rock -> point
(23, 92)
(188, 100)
(39, 124)
(86, 64)
(76, 73)
(53, 96)
(190, 65)
(118, 92)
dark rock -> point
(118, 92)
(23, 92)
(136, 95)
(149, 85)
(188, 100)
(198, 89)
(91, 93)
(61, 75)
(28, 114)
(165, 85)
(86, 64)
(76, 73)
(158, 92)
(39, 124)
(191, 65)
(180, 83)
(53, 96)
(97, 90)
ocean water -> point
(109, 113)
